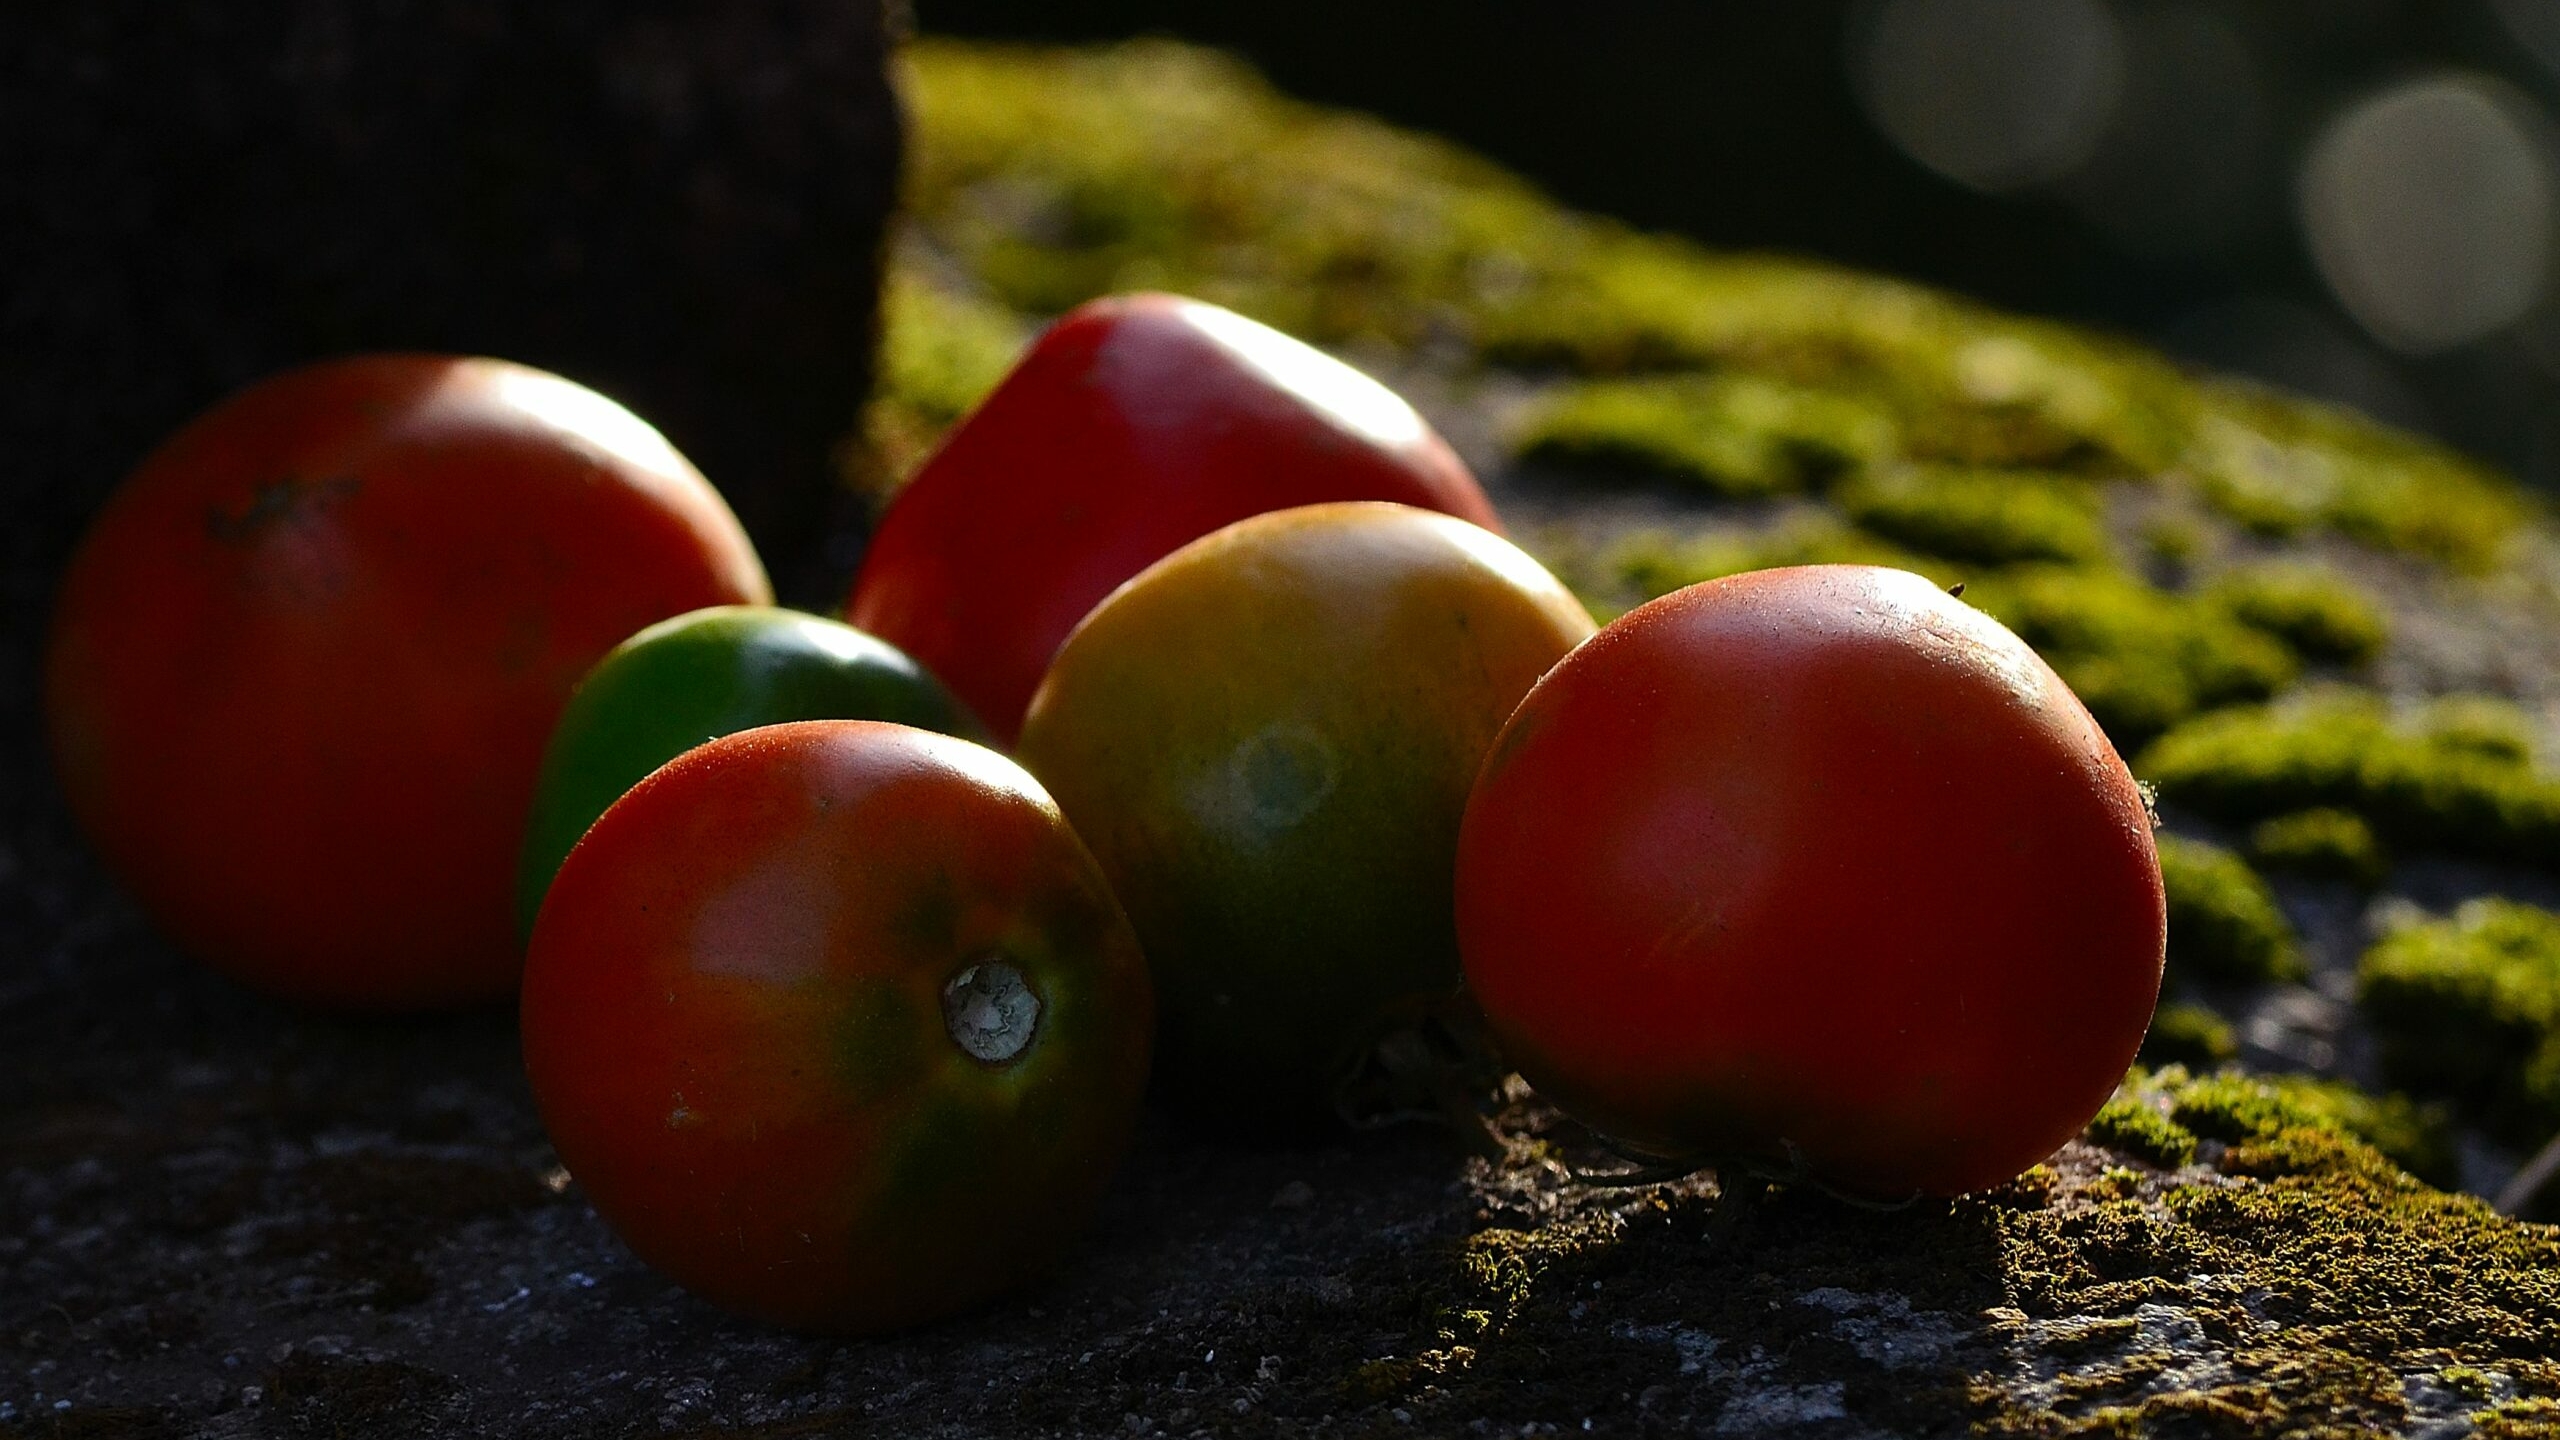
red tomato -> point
(303, 665)
(837, 1023)
(1137, 424)
(1818, 868)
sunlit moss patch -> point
(1737, 436)
(1041, 178)
(2320, 615)
(2224, 926)
(1994, 517)
(2142, 659)
(2449, 778)
(2325, 843)
(2469, 1006)
(2187, 1033)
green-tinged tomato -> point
(837, 1024)
(1267, 738)
(699, 676)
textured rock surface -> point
(220, 1218)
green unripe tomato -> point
(689, 680)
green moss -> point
(2416, 1137)
(2469, 1006)
(2224, 926)
(1737, 436)
(2420, 784)
(2482, 727)
(2468, 1380)
(2134, 1126)
(2175, 542)
(2278, 465)
(2309, 608)
(2185, 1033)
(2324, 843)
(2304, 1264)
(2258, 1109)
(1993, 517)
(1047, 177)
(2140, 658)
(2528, 1418)
(1652, 563)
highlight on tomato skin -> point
(1818, 869)
(837, 1024)
(696, 677)
(301, 667)
(1135, 424)
(1267, 738)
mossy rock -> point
(1041, 178)
(2224, 926)
(2469, 1006)
(1988, 517)
(2190, 1034)
(2324, 843)
(2458, 776)
(2319, 614)
(2220, 1255)
(1735, 436)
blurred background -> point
(2353, 198)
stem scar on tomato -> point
(991, 1011)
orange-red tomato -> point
(1818, 868)
(837, 1023)
(303, 665)
(1137, 424)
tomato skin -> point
(734, 1024)
(1267, 738)
(1134, 425)
(302, 665)
(1817, 866)
(699, 676)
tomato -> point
(1267, 739)
(1136, 424)
(1818, 868)
(837, 1024)
(302, 666)
(697, 677)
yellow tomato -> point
(1267, 738)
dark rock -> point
(678, 203)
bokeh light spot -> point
(1993, 94)
(2429, 208)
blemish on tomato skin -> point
(281, 501)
